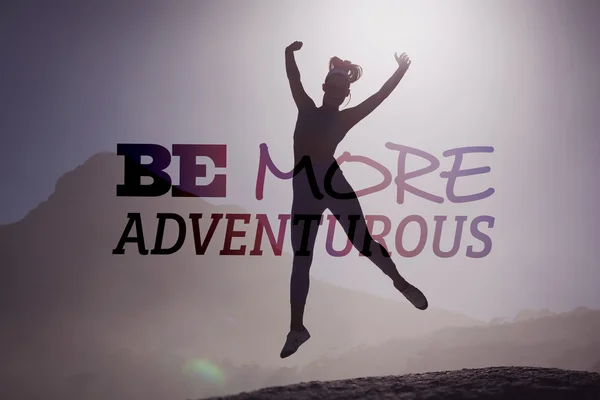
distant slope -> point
(567, 341)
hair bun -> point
(354, 71)
(337, 62)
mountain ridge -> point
(60, 270)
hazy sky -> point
(521, 76)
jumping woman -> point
(318, 132)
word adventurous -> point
(189, 170)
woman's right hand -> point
(294, 46)
(403, 61)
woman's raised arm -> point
(301, 99)
(354, 115)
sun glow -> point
(389, 26)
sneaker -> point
(293, 342)
(415, 296)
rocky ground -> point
(512, 383)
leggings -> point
(306, 216)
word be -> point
(161, 159)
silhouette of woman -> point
(318, 132)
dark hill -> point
(510, 383)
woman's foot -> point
(412, 294)
(293, 341)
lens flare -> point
(206, 370)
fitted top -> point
(317, 134)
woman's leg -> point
(350, 215)
(305, 220)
